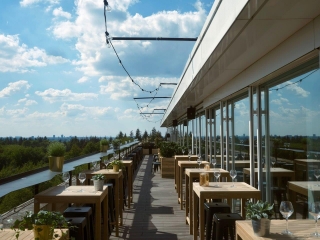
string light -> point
(296, 82)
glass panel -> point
(294, 132)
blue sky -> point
(59, 77)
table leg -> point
(195, 215)
(105, 216)
(180, 195)
(178, 182)
(36, 206)
(121, 200)
(243, 204)
(116, 190)
(201, 218)
(191, 202)
(98, 221)
(187, 197)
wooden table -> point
(57, 194)
(182, 165)
(191, 175)
(240, 163)
(305, 164)
(300, 228)
(310, 189)
(181, 158)
(128, 164)
(275, 173)
(9, 234)
(118, 191)
(224, 191)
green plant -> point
(117, 163)
(56, 149)
(104, 142)
(168, 149)
(33, 221)
(116, 143)
(98, 177)
(258, 210)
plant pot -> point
(103, 148)
(56, 164)
(42, 232)
(98, 185)
(261, 227)
(116, 168)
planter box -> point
(155, 151)
(145, 151)
(167, 167)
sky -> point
(58, 76)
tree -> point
(145, 135)
(120, 135)
(138, 134)
(131, 134)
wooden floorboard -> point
(155, 213)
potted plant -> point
(116, 143)
(98, 181)
(104, 145)
(260, 214)
(116, 165)
(43, 224)
(56, 152)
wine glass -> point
(106, 162)
(216, 173)
(82, 178)
(273, 161)
(214, 162)
(199, 160)
(65, 178)
(314, 210)
(189, 155)
(115, 156)
(286, 209)
(316, 173)
(233, 175)
(183, 150)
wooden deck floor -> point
(155, 213)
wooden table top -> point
(301, 229)
(272, 170)
(190, 171)
(303, 187)
(9, 234)
(109, 172)
(185, 157)
(191, 163)
(240, 189)
(307, 160)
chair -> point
(79, 228)
(210, 209)
(82, 212)
(155, 163)
(224, 225)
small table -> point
(7, 234)
(57, 194)
(182, 165)
(305, 164)
(275, 172)
(310, 189)
(118, 190)
(181, 158)
(128, 164)
(224, 191)
(301, 229)
(191, 175)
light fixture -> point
(108, 39)
(106, 4)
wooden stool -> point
(210, 209)
(82, 212)
(80, 229)
(224, 223)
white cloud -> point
(280, 101)
(17, 112)
(26, 3)
(83, 79)
(16, 57)
(27, 102)
(54, 95)
(297, 89)
(71, 110)
(14, 87)
(58, 12)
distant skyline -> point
(58, 75)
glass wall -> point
(292, 129)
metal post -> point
(251, 137)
